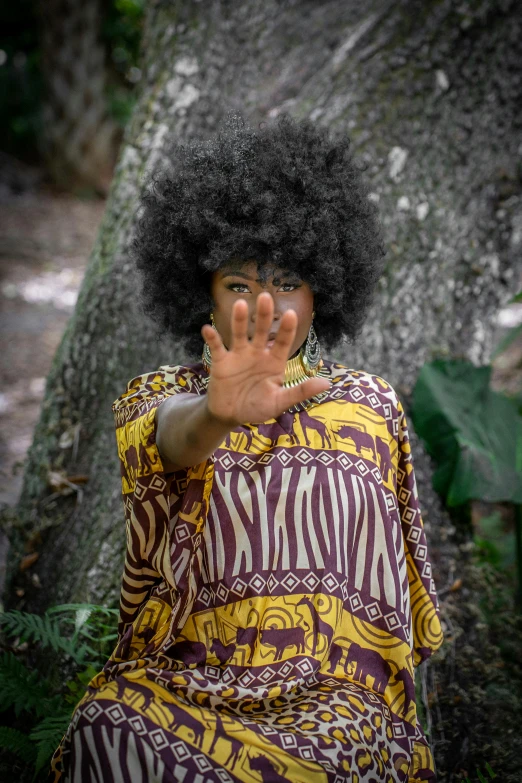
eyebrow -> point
(237, 274)
(244, 276)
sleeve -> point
(135, 421)
(425, 628)
(148, 493)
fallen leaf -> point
(57, 480)
(64, 484)
(29, 560)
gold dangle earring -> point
(308, 364)
(207, 356)
(311, 351)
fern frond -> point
(11, 668)
(31, 628)
(93, 608)
(81, 618)
(16, 742)
(23, 689)
(84, 677)
(42, 629)
(44, 753)
(78, 685)
(52, 728)
(48, 735)
(110, 637)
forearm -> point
(186, 432)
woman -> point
(277, 592)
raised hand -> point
(246, 381)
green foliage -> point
(16, 742)
(475, 436)
(33, 628)
(496, 545)
(22, 689)
(20, 79)
(473, 433)
(79, 631)
(121, 31)
(21, 84)
(47, 736)
(120, 101)
(79, 634)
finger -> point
(304, 391)
(214, 342)
(239, 325)
(264, 318)
(285, 336)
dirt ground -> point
(45, 241)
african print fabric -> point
(275, 601)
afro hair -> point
(288, 194)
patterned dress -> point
(275, 601)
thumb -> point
(309, 388)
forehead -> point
(259, 272)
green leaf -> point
(32, 628)
(45, 631)
(54, 727)
(82, 617)
(473, 433)
(496, 542)
(23, 689)
(78, 685)
(62, 608)
(47, 736)
(16, 742)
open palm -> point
(246, 381)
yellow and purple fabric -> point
(275, 601)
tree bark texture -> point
(79, 139)
(430, 93)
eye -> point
(287, 287)
(238, 288)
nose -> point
(276, 316)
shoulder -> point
(158, 384)
(360, 386)
(365, 390)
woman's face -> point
(288, 291)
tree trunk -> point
(431, 95)
(79, 139)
